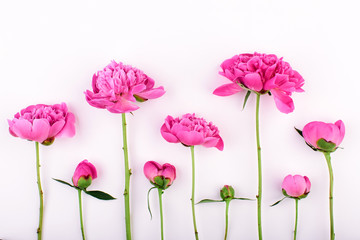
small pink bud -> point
(296, 186)
(160, 176)
(84, 173)
(227, 192)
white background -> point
(49, 51)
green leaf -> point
(209, 200)
(299, 131)
(278, 202)
(63, 182)
(312, 147)
(148, 202)
(100, 195)
(246, 98)
(249, 199)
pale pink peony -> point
(333, 134)
(43, 123)
(262, 73)
(296, 186)
(118, 85)
(165, 173)
(191, 131)
(84, 173)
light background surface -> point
(49, 51)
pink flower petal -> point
(151, 170)
(56, 128)
(169, 172)
(227, 89)
(152, 93)
(69, 128)
(341, 127)
(210, 142)
(253, 81)
(122, 106)
(40, 130)
(190, 138)
(168, 136)
(22, 128)
(283, 102)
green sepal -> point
(148, 202)
(63, 182)
(140, 99)
(299, 131)
(278, 202)
(159, 181)
(99, 195)
(325, 145)
(209, 201)
(83, 182)
(246, 98)
(48, 141)
(249, 199)
(166, 182)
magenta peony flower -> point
(191, 131)
(324, 136)
(43, 123)
(160, 176)
(84, 173)
(262, 73)
(296, 186)
(115, 87)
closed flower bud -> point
(84, 173)
(227, 192)
(296, 186)
(160, 176)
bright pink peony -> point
(324, 136)
(160, 176)
(43, 123)
(262, 73)
(84, 173)
(296, 186)
(118, 85)
(191, 131)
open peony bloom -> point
(296, 186)
(43, 123)
(261, 73)
(84, 173)
(160, 176)
(191, 131)
(324, 136)
(118, 85)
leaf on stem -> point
(246, 98)
(299, 131)
(63, 182)
(209, 200)
(249, 199)
(148, 202)
(100, 195)
(278, 202)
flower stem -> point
(41, 195)
(193, 192)
(81, 215)
(127, 179)
(259, 196)
(331, 190)
(226, 218)
(160, 191)
(296, 216)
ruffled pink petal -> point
(122, 106)
(190, 138)
(253, 81)
(220, 144)
(138, 88)
(97, 101)
(169, 172)
(22, 128)
(308, 184)
(151, 170)
(227, 89)
(11, 124)
(341, 127)
(40, 130)
(56, 128)
(168, 136)
(69, 128)
(210, 142)
(283, 101)
(152, 93)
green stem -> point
(193, 192)
(296, 216)
(127, 179)
(259, 196)
(331, 190)
(160, 191)
(226, 218)
(81, 215)
(41, 195)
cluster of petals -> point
(296, 186)
(153, 169)
(85, 170)
(43, 122)
(330, 132)
(117, 86)
(262, 73)
(191, 131)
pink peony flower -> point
(262, 73)
(160, 176)
(84, 173)
(324, 136)
(296, 186)
(191, 131)
(118, 85)
(43, 123)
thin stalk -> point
(331, 190)
(127, 179)
(81, 216)
(41, 195)
(226, 218)
(296, 216)
(193, 192)
(160, 192)
(259, 196)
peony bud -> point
(227, 193)
(160, 176)
(296, 186)
(84, 173)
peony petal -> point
(253, 81)
(169, 172)
(220, 144)
(22, 128)
(69, 128)
(152, 93)
(151, 170)
(56, 128)
(341, 127)
(210, 142)
(283, 102)
(190, 138)
(138, 88)
(168, 136)
(227, 89)
(40, 130)
(122, 106)
(308, 184)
